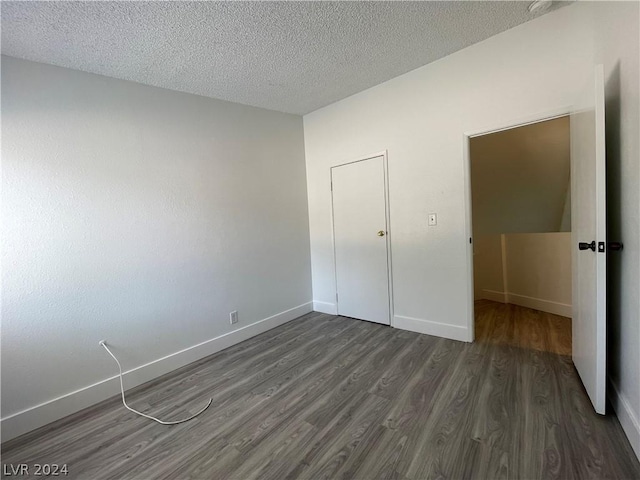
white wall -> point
(520, 179)
(140, 216)
(420, 119)
(618, 49)
(528, 269)
(538, 271)
(488, 273)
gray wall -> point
(141, 216)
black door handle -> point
(587, 246)
(615, 246)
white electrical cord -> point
(103, 343)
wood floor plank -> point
(336, 450)
(560, 331)
(382, 457)
(330, 397)
(325, 435)
(504, 324)
(450, 419)
(278, 456)
(499, 429)
(403, 366)
(541, 402)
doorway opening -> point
(520, 183)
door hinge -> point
(470, 241)
(336, 297)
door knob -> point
(587, 246)
(615, 246)
(381, 233)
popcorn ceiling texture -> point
(294, 57)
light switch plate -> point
(433, 219)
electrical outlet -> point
(433, 219)
(233, 317)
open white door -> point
(361, 241)
(588, 224)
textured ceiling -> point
(288, 56)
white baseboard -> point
(494, 296)
(325, 307)
(454, 332)
(47, 412)
(556, 308)
(628, 420)
(539, 304)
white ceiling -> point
(289, 56)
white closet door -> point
(589, 238)
(360, 236)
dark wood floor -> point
(329, 397)
(522, 327)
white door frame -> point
(382, 154)
(466, 158)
